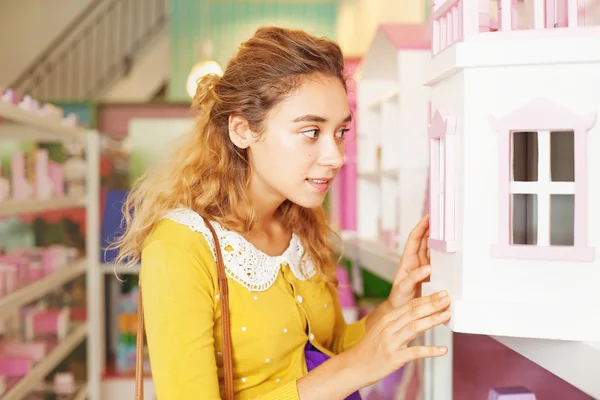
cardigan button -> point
(311, 337)
(299, 299)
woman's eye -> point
(312, 134)
(342, 133)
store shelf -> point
(373, 256)
(16, 207)
(111, 269)
(575, 362)
(16, 123)
(33, 291)
(47, 364)
(82, 393)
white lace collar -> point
(244, 263)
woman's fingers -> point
(415, 304)
(414, 238)
(423, 247)
(417, 352)
(407, 285)
(414, 328)
(417, 312)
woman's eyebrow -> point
(317, 118)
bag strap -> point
(225, 326)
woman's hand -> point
(385, 347)
(414, 266)
(383, 350)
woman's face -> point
(302, 148)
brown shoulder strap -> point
(225, 326)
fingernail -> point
(445, 300)
(442, 294)
(425, 269)
(445, 314)
(442, 349)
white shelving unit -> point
(392, 123)
(21, 124)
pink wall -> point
(343, 194)
(482, 363)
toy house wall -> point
(413, 144)
(413, 98)
(448, 94)
(497, 92)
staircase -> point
(97, 50)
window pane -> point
(524, 156)
(562, 156)
(562, 220)
(524, 219)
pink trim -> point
(408, 36)
(547, 115)
(543, 114)
(443, 125)
(554, 253)
(449, 246)
(447, 25)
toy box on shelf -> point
(393, 112)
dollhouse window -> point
(543, 184)
(442, 132)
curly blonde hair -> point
(209, 174)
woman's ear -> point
(239, 132)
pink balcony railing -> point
(454, 20)
(447, 24)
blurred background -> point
(120, 73)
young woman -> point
(268, 142)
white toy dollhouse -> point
(393, 108)
(514, 176)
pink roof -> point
(408, 36)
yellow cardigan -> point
(276, 305)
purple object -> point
(511, 393)
(314, 358)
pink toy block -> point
(54, 322)
(511, 393)
(10, 96)
(21, 263)
(56, 174)
(35, 272)
(12, 366)
(29, 103)
(54, 257)
(64, 382)
(8, 278)
(36, 351)
(21, 189)
(43, 184)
